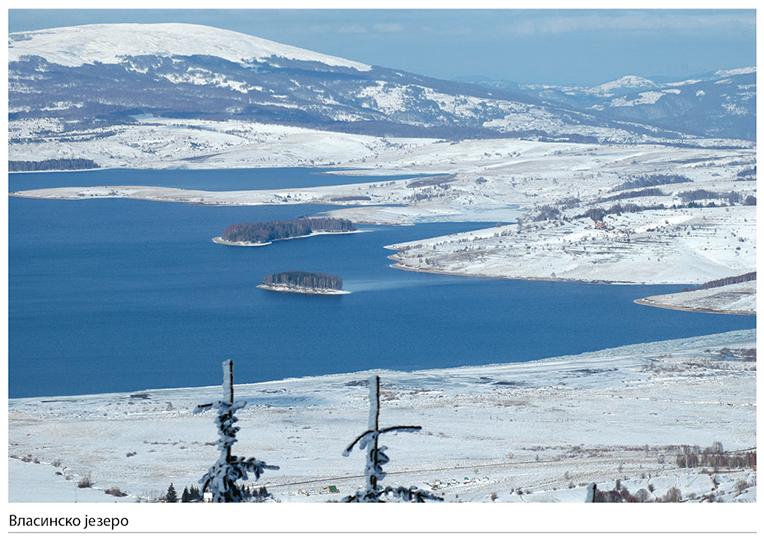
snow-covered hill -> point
(625, 83)
(79, 83)
(111, 43)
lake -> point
(123, 295)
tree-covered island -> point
(310, 283)
(263, 233)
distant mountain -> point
(718, 104)
(99, 75)
(112, 43)
(71, 80)
(624, 84)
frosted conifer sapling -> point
(376, 458)
(221, 480)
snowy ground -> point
(729, 299)
(674, 246)
(537, 431)
(157, 143)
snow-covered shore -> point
(303, 290)
(536, 431)
(729, 299)
(245, 244)
(242, 243)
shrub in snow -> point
(115, 491)
(376, 458)
(673, 495)
(620, 494)
(85, 482)
(643, 495)
(221, 480)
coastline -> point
(737, 298)
(67, 170)
(544, 366)
(402, 266)
(222, 241)
(302, 290)
(680, 308)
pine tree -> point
(222, 477)
(186, 496)
(172, 496)
(376, 458)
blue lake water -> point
(121, 295)
(194, 179)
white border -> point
(314, 517)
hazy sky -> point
(551, 46)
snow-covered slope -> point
(110, 43)
(95, 77)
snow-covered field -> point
(537, 431)
(158, 143)
(729, 299)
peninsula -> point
(306, 283)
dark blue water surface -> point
(119, 295)
(194, 179)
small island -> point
(306, 283)
(264, 233)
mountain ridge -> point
(66, 81)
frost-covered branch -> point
(376, 458)
(222, 478)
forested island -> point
(308, 283)
(263, 233)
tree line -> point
(284, 229)
(647, 181)
(309, 280)
(747, 277)
(47, 165)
